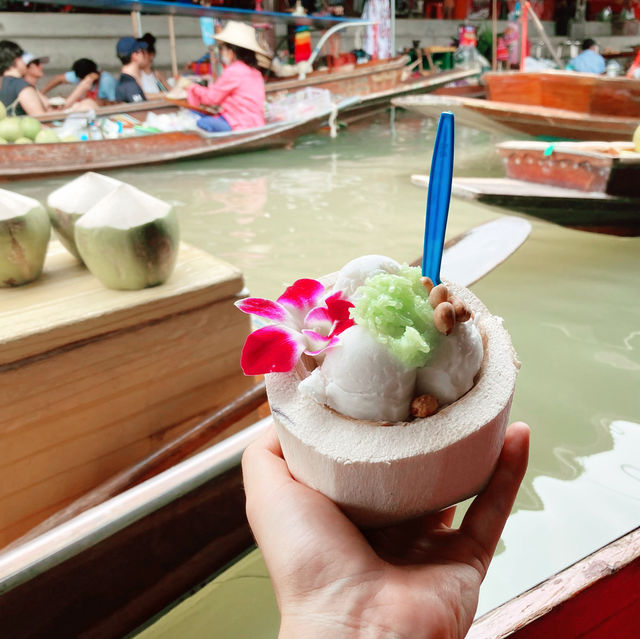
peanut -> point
(427, 282)
(460, 308)
(438, 295)
(444, 318)
(424, 405)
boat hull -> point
(593, 167)
(20, 161)
(517, 120)
(586, 211)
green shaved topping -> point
(395, 309)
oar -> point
(467, 257)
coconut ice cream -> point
(395, 403)
(24, 236)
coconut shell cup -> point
(380, 474)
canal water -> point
(570, 300)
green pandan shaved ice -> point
(395, 309)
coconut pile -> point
(24, 130)
(128, 239)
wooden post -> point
(543, 35)
(494, 35)
(136, 24)
(172, 47)
(523, 34)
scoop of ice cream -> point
(354, 274)
(453, 367)
(395, 309)
(360, 378)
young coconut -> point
(24, 236)
(384, 353)
(74, 199)
(129, 239)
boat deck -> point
(585, 210)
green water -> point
(570, 300)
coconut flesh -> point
(24, 236)
(129, 239)
(74, 199)
(381, 473)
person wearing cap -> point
(133, 54)
(35, 72)
(34, 67)
(153, 82)
(18, 96)
(89, 81)
(239, 91)
(589, 61)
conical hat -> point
(241, 35)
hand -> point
(416, 579)
(194, 92)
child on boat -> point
(89, 82)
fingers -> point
(263, 470)
(288, 518)
(488, 513)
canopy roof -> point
(196, 11)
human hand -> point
(415, 579)
(194, 94)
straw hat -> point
(241, 35)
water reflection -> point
(599, 504)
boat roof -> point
(197, 11)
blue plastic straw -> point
(438, 198)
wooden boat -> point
(140, 540)
(365, 90)
(26, 161)
(549, 104)
(601, 167)
(374, 83)
(592, 211)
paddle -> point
(467, 257)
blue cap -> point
(128, 45)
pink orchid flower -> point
(303, 323)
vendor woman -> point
(239, 91)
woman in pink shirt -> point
(239, 91)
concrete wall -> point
(67, 37)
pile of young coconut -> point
(127, 238)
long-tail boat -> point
(130, 544)
(25, 161)
(146, 147)
(548, 104)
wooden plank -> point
(598, 596)
(91, 380)
(68, 305)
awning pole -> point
(494, 36)
(136, 24)
(172, 47)
(393, 28)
